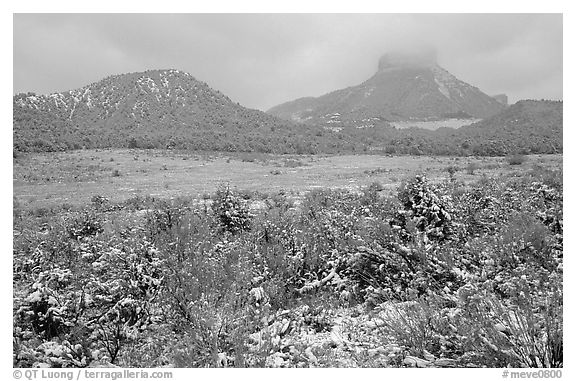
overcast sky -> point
(261, 60)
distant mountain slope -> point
(156, 108)
(530, 125)
(138, 97)
(171, 109)
(525, 115)
(405, 87)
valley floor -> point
(52, 179)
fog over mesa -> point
(261, 60)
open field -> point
(45, 180)
(435, 124)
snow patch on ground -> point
(58, 99)
(448, 85)
(368, 92)
(150, 85)
(87, 98)
(442, 88)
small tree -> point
(230, 210)
(516, 159)
(429, 211)
(132, 143)
(472, 167)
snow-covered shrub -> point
(231, 211)
(430, 212)
(86, 224)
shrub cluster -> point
(459, 275)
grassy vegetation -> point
(48, 180)
(455, 269)
(516, 159)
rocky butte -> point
(406, 87)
